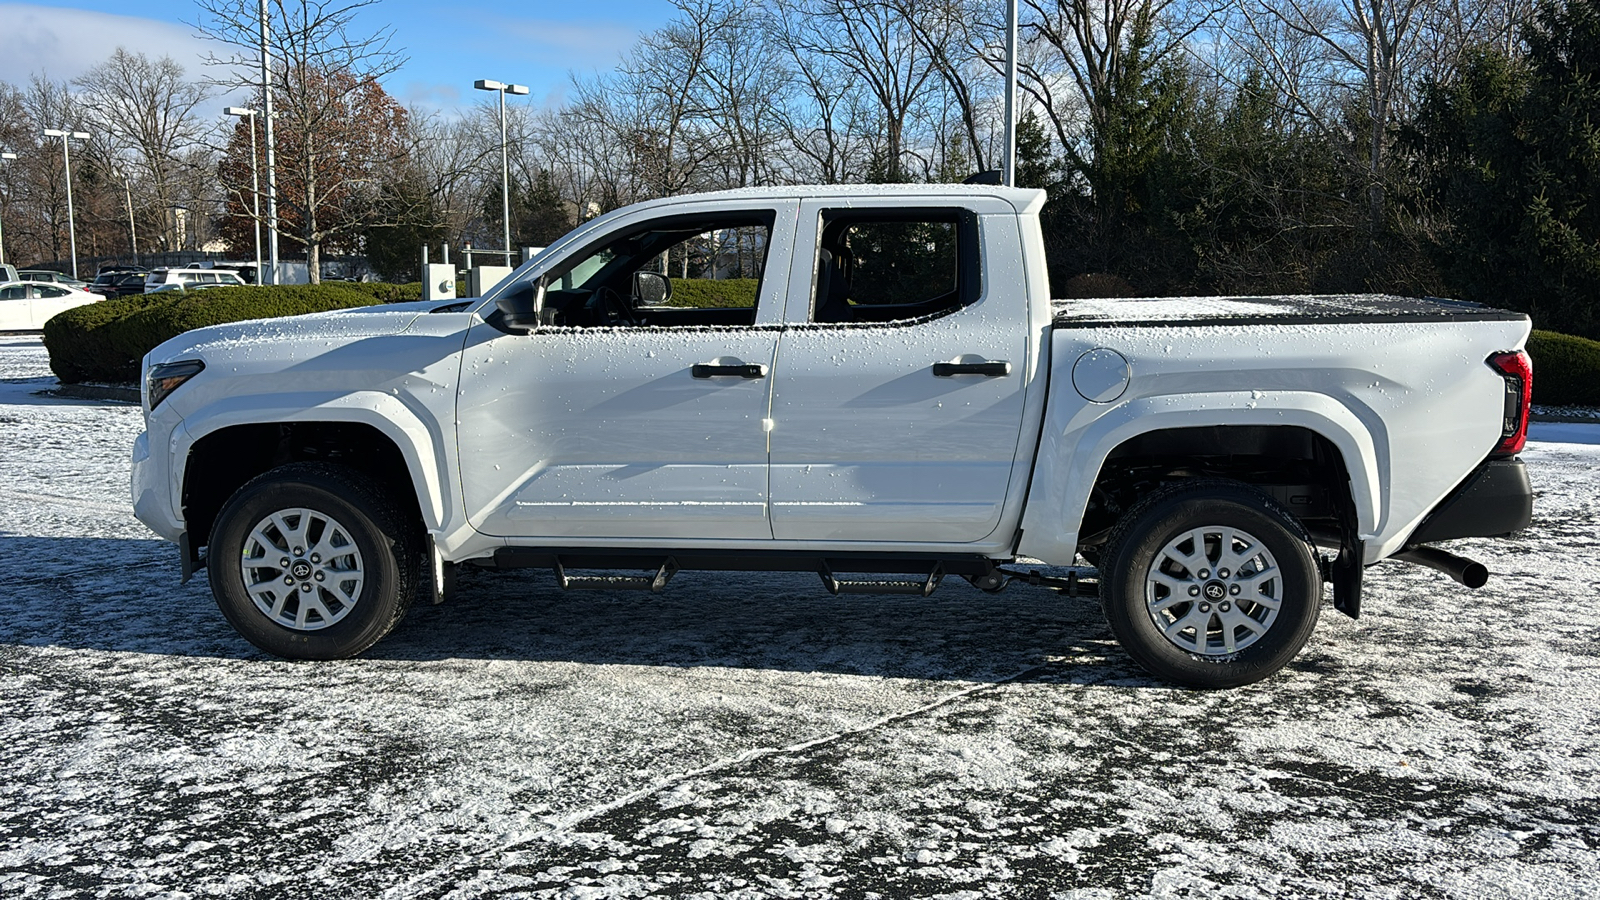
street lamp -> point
(505, 165)
(67, 137)
(255, 179)
(6, 156)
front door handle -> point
(737, 370)
(987, 367)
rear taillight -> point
(1517, 370)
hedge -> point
(1566, 369)
(702, 293)
(105, 341)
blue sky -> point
(450, 44)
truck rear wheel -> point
(1210, 584)
(312, 561)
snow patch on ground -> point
(754, 737)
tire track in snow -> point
(83, 503)
(569, 821)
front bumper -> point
(1495, 500)
(152, 490)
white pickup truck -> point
(871, 383)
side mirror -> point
(651, 288)
(519, 309)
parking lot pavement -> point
(754, 737)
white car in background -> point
(27, 305)
(191, 278)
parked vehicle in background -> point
(895, 394)
(190, 278)
(51, 277)
(27, 305)
(8, 273)
(245, 270)
(177, 288)
(119, 281)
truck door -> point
(899, 397)
(638, 409)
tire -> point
(329, 600)
(1207, 619)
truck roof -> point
(1024, 200)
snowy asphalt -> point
(744, 737)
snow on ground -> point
(751, 736)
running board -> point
(837, 586)
(652, 583)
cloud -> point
(584, 45)
(65, 43)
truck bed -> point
(1328, 309)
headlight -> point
(168, 377)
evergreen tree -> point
(1508, 152)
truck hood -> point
(278, 337)
(1285, 310)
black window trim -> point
(766, 217)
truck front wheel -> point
(1210, 584)
(313, 561)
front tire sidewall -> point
(1164, 519)
(376, 611)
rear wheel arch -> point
(1301, 469)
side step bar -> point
(837, 586)
(653, 584)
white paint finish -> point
(1101, 376)
(868, 443)
(604, 432)
(388, 367)
(1411, 406)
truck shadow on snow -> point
(107, 595)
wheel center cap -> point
(301, 569)
(1215, 590)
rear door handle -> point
(987, 367)
(737, 370)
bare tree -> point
(146, 109)
(324, 71)
(874, 43)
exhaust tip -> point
(1474, 575)
(1468, 572)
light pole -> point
(255, 179)
(67, 137)
(505, 165)
(6, 156)
(133, 236)
(1009, 169)
(272, 177)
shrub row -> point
(701, 293)
(105, 341)
(1566, 369)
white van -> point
(190, 278)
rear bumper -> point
(1495, 500)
